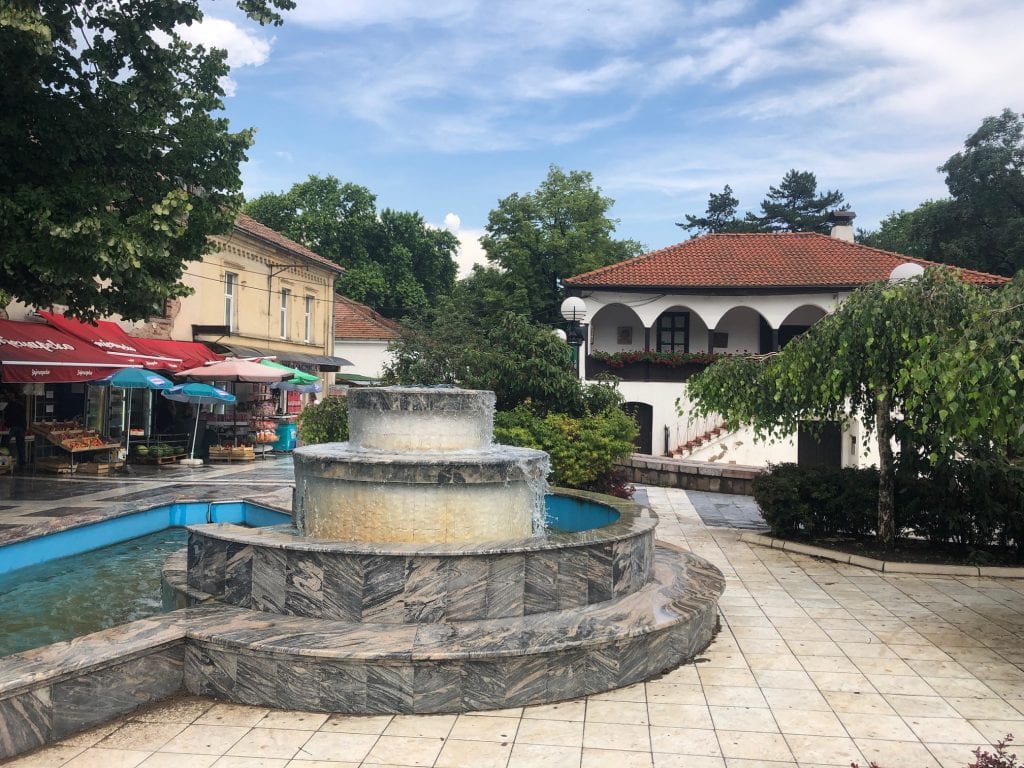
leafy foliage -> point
(793, 206)
(720, 216)
(875, 355)
(394, 262)
(796, 206)
(325, 421)
(515, 358)
(583, 449)
(560, 230)
(981, 224)
(113, 171)
(817, 501)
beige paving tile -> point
(271, 742)
(302, 721)
(685, 741)
(673, 693)
(49, 757)
(425, 726)
(177, 710)
(176, 760)
(663, 760)
(754, 719)
(374, 724)
(543, 756)
(95, 757)
(734, 696)
(951, 755)
(945, 730)
(900, 684)
(920, 706)
(609, 758)
(874, 726)
(328, 745)
(206, 739)
(724, 676)
(808, 722)
(628, 712)
(748, 746)
(783, 661)
(823, 750)
(404, 751)
(994, 730)
(853, 682)
(561, 733)
(776, 678)
(828, 664)
(791, 698)
(563, 710)
(632, 738)
(687, 673)
(140, 735)
(679, 715)
(884, 666)
(845, 701)
(93, 735)
(959, 687)
(994, 709)
(320, 764)
(229, 761)
(232, 714)
(896, 753)
(477, 728)
(635, 692)
(508, 712)
(474, 754)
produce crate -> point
(97, 467)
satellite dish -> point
(908, 270)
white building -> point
(362, 336)
(721, 294)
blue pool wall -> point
(571, 514)
(85, 538)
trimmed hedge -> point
(970, 503)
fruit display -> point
(70, 436)
(84, 442)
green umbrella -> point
(298, 377)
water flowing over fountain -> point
(417, 577)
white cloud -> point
(244, 47)
(452, 222)
(470, 251)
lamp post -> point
(575, 312)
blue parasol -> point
(133, 378)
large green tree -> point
(393, 260)
(720, 216)
(878, 355)
(981, 224)
(113, 169)
(559, 230)
(796, 206)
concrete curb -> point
(924, 569)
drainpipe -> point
(668, 432)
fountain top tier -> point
(420, 419)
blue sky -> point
(447, 106)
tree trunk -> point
(886, 484)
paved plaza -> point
(816, 664)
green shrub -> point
(583, 450)
(324, 422)
(818, 501)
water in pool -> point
(73, 596)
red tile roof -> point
(771, 260)
(353, 320)
(252, 228)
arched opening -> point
(616, 328)
(679, 329)
(798, 321)
(741, 330)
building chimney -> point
(842, 225)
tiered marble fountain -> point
(418, 578)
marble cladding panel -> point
(397, 589)
(343, 587)
(210, 670)
(86, 700)
(390, 688)
(342, 687)
(269, 579)
(304, 584)
(25, 722)
(437, 687)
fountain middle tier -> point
(349, 493)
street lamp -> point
(575, 312)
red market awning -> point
(192, 353)
(111, 338)
(34, 352)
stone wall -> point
(690, 475)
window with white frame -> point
(230, 288)
(308, 320)
(286, 296)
